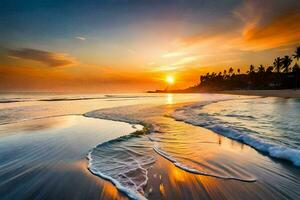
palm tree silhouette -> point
(277, 64)
(251, 69)
(286, 62)
(269, 77)
(297, 54)
(261, 69)
(231, 70)
(295, 68)
(269, 69)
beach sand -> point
(265, 93)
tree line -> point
(281, 75)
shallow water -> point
(275, 120)
(270, 125)
(199, 151)
(34, 155)
(177, 129)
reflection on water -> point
(169, 98)
(42, 159)
(34, 108)
(38, 126)
(195, 150)
(275, 120)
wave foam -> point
(125, 160)
(191, 115)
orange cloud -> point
(83, 78)
(51, 59)
(281, 31)
(253, 28)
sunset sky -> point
(132, 45)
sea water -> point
(173, 127)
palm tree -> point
(201, 78)
(269, 69)
(296, 68)
(277, 64)
(297, 54)
(251, 69)
(261, 69)
(286, 62)
(213, 75)
(231, 70)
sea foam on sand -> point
(190, 114)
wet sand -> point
(166, 181)
(274, 178)
(265, 93)
(46, 160)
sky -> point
(133, 45)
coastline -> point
(73, 136)
(168, 179)
(286, 93)
(265, 93)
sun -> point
(170, 80)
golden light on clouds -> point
(138, 52)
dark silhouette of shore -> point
(281, 75)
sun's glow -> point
(170, 80)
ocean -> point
(247, 139)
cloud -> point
(186, 60)
(250, 13)
(80, 38)
(269, 28)
(151, 63)
(252, 28)
(51, 59)
(165, 68)
(173, 54)
(281, 31)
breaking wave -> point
(193, 115)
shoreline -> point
(165, 180)
(169, 180)
(289, 93)
(286, 93)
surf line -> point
(194, 171)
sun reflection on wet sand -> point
(108, 190)
(51, 153)
(63, 164)
(179, 184)
(201, 149)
